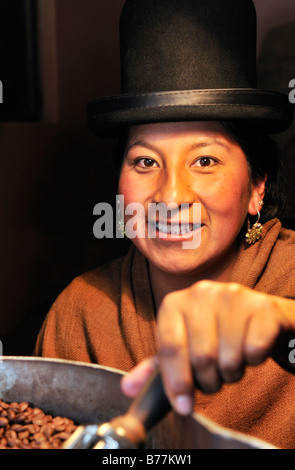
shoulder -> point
(101, 283)
(284, 244)
(269, 264)
(287, 236)
(279, 269)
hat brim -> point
(271, 111)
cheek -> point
(127, 189)
(133, 190)
(228, 198)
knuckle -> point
(234, 287)
(256, 353)
(180, 385)
(200, 288)
(270, 305)
(203, 285)
(169, 350)
(231, 368)
(207, 386)
(169, 301)
(203, 360)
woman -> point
(193, 131)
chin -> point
(171, 259)
(178, 266)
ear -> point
(257, 195)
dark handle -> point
(152, 404)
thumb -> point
(132, 383)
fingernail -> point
(183, 404)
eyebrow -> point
(206, 143)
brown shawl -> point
(106, 316)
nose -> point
(174, 188)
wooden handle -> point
(148, 408)
(152, 404)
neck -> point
(162, 283)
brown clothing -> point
(107, 316)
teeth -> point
(176, 229)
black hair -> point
(264, 158)
(119, 150)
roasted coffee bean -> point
(24, 427)
(23, 435)
(10, 434)
(18, 427)
(63, 435)
(48, 430)
(33, 428)
(10, 415)
(23, 406)
(3, 422)
(39, 437)
(20, 418)
(13, 406)
(11, 437)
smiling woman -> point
(192, 131)
(190, 163)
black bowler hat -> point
(188, 60)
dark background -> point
(55, 56)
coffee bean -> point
(48, 430)
(39, 437)
(3, 422)
(18, 427)
(24, 427)
(10, 434)
(23, 435)
(63, 435)
(20, 418)
(23, 406)
(10, 415)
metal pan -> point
(89, 393)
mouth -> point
(176, 229)
(173, 231)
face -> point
(196, 164)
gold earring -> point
(121, 228)
(122, 231)
(255, 232)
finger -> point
(261, 336)
(175, 359)
(208, 378)
(203, 346)
(132, 383)
(231, 361)
(232, 326)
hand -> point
(207, 334)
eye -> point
(205, 162)
(146, 162)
